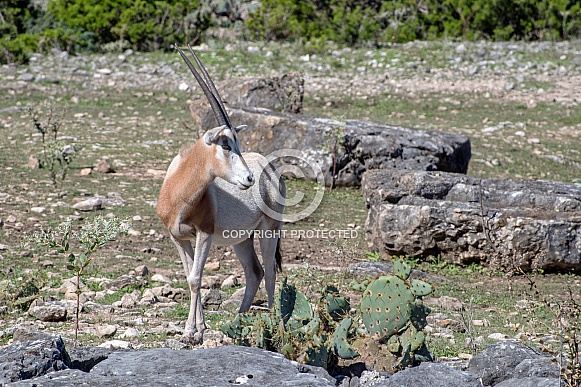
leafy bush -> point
(146, 25)
(70, 25)
(378, 22)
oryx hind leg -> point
(268, 249)
(253, 271)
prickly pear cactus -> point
(292, 306)
(386, 306)
(393, 313)
(336, 305)
(339, 342)
(317, 353)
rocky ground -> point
(519, 104)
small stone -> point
(105, 331)
(104, 71)
(497, 336)
(210, 282)
(86, 171)
(129, 300)
(481, 323)
(184, 87)
(93, 204)
(116, 344)
(509, 86)
(230, 282)
(213, 299)
(172, 329)
(175, 344)
(105, 166)
(148, 297)
(212, 266)
(46, 263)
(130, 333)
(26, 77)
(161, 278)
(141, 270)
(465, 356)
(49, 313)
(33, 162)
(38, 210)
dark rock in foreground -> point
(32, 358)
(46, 363)
(465, 219)
(433, 375)
(501, 361)
(221, 366)
(360, 145)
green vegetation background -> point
(28, 26)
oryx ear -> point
(240, 128)
(212, 135)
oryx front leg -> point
(253, 271)
(195, 325)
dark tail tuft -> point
(278, 256)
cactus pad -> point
(337, 306)
(402, 269)
(339, 342)
(421, 288)
(386, 306)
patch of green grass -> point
(178, 312)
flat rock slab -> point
(501, 361)
(465, 219)
(432, 375)
(221, 366)
(344, 149)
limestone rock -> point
(533, 381)
(32, 358)
(361, 145)
(465, 219)
(92, 204)
(497, 362)
(433, 375)
(48, 312)
(281, 93)
(105, 331)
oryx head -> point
(223, 139)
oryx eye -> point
(226, 147)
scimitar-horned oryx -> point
(214, 194)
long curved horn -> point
(214, 101)
(211, 85)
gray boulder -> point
(466, 219)
(433, 375)
(498, 361)
(221, 366)
(533, 381)
(31, 359)
(359, 145)
(281, 93)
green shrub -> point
(371, 21)
(146, 25)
